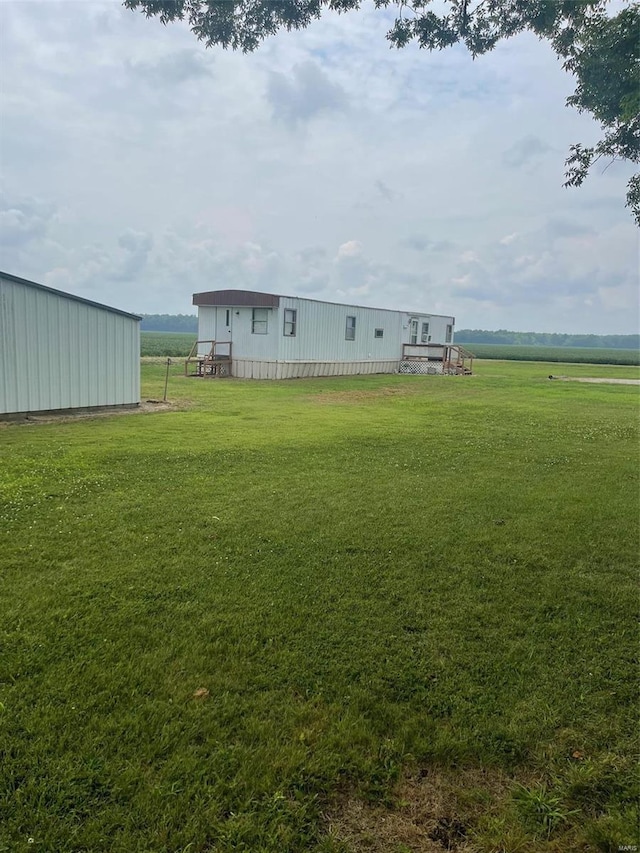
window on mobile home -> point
(350, 332)
(290, 319)
(259, 318)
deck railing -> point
(453, 357)
(209, 358)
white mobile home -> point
(59, 351)
(265, 336)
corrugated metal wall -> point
(245, 344)
(321, 332)
(212, 325)
(206, 323)
(248, 345)
(206, 327)
(437, 328)
(61, 353)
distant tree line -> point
(542, 339)
(169, 323)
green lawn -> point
(223, 625)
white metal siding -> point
(60, 353)
(206, 327)
(212, 326)
(321, 332)
(248, 345)
(434, 351)
(437, 327)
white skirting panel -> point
(245, 368)
(420, 367)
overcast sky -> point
(138, 167)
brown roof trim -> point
(256, 299)
(233, 298)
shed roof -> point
(37, 286)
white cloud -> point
(509, 238)
(140, 167)
(350, 249)
(303, 93)
(526, 152)
(23, 220)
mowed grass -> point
(221, 625)
(578, 355)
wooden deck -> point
(450, 359)
(209, 358)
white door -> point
(224, 320)
(413, 331)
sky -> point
(138, 167)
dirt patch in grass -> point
(597, 380)
(144, 408)
(357, 397)
(434, 810)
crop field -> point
(174, 344)
(384, 613)
(571, 355)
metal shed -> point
(59, 351)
